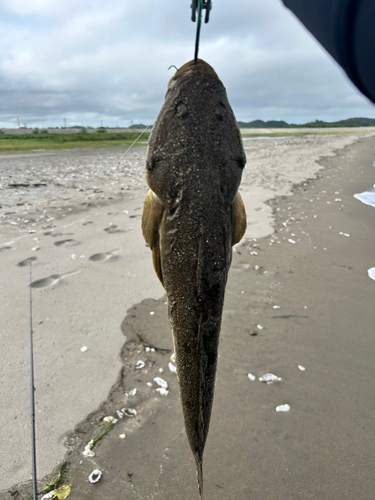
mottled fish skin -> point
(192, 217)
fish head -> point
(195, 146)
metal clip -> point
(196, 7)
(206, 4)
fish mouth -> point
(200, 68)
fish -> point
(192, 217)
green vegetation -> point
(286, 133)
(350, 122)
(44, 140)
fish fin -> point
(157, 262)
(238, 219)
(199, 464)
(151, 218)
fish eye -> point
(241, 162)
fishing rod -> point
(196, 11)
(32, 399)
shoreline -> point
(239, 270)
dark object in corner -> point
(346, 30)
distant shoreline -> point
(32, 141)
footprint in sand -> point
(4, 249)
(57, 235)
(104, 257)
(27, 261)
(54, 279)
(113, 229)
(67, 243)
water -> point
(368, 198)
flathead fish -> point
(192, 217)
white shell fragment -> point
(173, 358)
(95, 476)
(291, 241)
(120, 414)
(269, 378)
(51, 494)
(172, 367)
(162, 391)
(302, 368)
(260, 327)
(139, 365)
(133, 392)
(344, 234)
(110, 419)
(251, 377)
(122, 436)
(371, 273)
(87, 452)
(161, 382)
(129, 412)
(276, 307)
(84, 348)
(283, 408)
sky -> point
(94, 62)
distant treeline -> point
(350, 122)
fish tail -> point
(199, 464)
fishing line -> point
(148, 126)
(32, 386)
(121, 157)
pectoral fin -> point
(238, 219)
(151, 220)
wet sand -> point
(322, 448)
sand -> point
(322, 448)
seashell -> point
(110, 419)
(302, 368)
(87, 452)
(139, 365)
(95, 476)
(173, 357)
(162, 391)
(161, 382)
(269, 378)
(129, 412)
(283, 408)
(251, 377)
(51, 494)
(172, 367)
(133, 392)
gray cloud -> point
(92, 61)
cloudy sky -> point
(93, 60)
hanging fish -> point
(192, 217)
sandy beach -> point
(299, 304)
